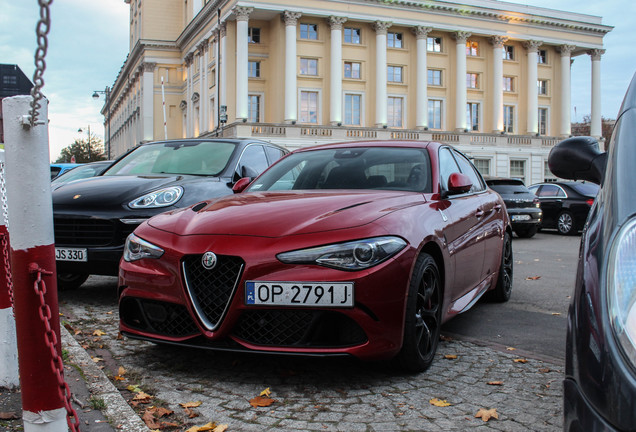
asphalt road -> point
(535, 317)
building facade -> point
(491, 78)
(13, 82)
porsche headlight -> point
(354, 255)
(137, 248)
(621, 287)
(159, 198)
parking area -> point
(471, 371)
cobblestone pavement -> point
(324, 394)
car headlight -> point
(353, 255)
(159, 198)
(137, 248)
(621, 288)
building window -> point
(254, 35)
(254, 108)
(352, 35)
(434, 77)
(508, 52)
(309, 31)
(518, 169)
(482, 165)
(508, 84)
(472, 115)
(542, 87)
(434, 114)
(394, 111)
(472, 48)
(308, 107)
(472, 80)
(308, 66)
(254, 69)
(434, 44)
(394, 74)
(10, 80)
(353, 104)
(543, 121)
(352, 70)
(509, 118)
(394, 40)
(547, 174)
(542, 57)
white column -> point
(565, 128)
(242, 17)
(189, 109)
(460, 80)
(335, 106)
(148, 98)
(291, 107)
(497, 43)
(221, 69)
(533, 93)
(205, 104)
(421, 104)
(595, 125)
(380, 28)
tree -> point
(583, 129)
(80, 150)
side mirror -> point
(240, 185)
(578, 158)
(459, 183)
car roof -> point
(503, 180)
(385, 143)
(230, 140)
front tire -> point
(503, 289)
(70, 281)
(565, 223)
(423, 319)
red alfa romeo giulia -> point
(361, 248)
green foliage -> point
(80, 150)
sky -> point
(88, 43)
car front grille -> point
(211, 290)
(90, 232)
(298, 328)
(157, 317)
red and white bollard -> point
(46, 399)
(9, 377)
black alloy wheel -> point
(70, 281)
(423, 317)
(565, 223)
(503, 289)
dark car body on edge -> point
(565, 204)
(360, 248)
(521, 204)
(93, 216)
(600, 363)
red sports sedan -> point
(360, 249)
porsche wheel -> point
(70, 281)
(423, 317)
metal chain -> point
(4, 240)
(52, 342)
(41, 30)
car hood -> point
(272, 214)
(105, 191)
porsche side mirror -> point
(578, 158)
(459, 183)
(240, 185)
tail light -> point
(590, 202)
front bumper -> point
(578, 414)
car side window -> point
(551, 191)
(468, 169)
(253, 159)
(447, 166)
(273, 154)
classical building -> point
(491, 78)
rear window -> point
(508, 186)
(587, 189)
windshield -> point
(508, 187)
(207, 158)
(587, 189)
(406, 169)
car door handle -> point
(479, 213)
(497, 208)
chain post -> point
(4, 237)
(42, 30)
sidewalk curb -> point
(117, 410)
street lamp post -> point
(88, 142)
(106, 93)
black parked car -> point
(600, 364)
(565, 204)
(522, 205)
(93, 216)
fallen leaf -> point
(98, 333)
(533, 278)
(439, 402)
(445, 338)
(8, 415)
(487, 414)
(97, 359)
(191, 413)
(142, 397)
(109, 313)
(150, 420)
(261, 401)
(191, 404)
(556, 313)
(450, 356)
(207, 427)
(267, 392)
(511, 349)
(545, 370)
(119, 378)
(498, 383)
(220, 428)
(121, 371)
(521, 360)
(120, 336)
(133, 388)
